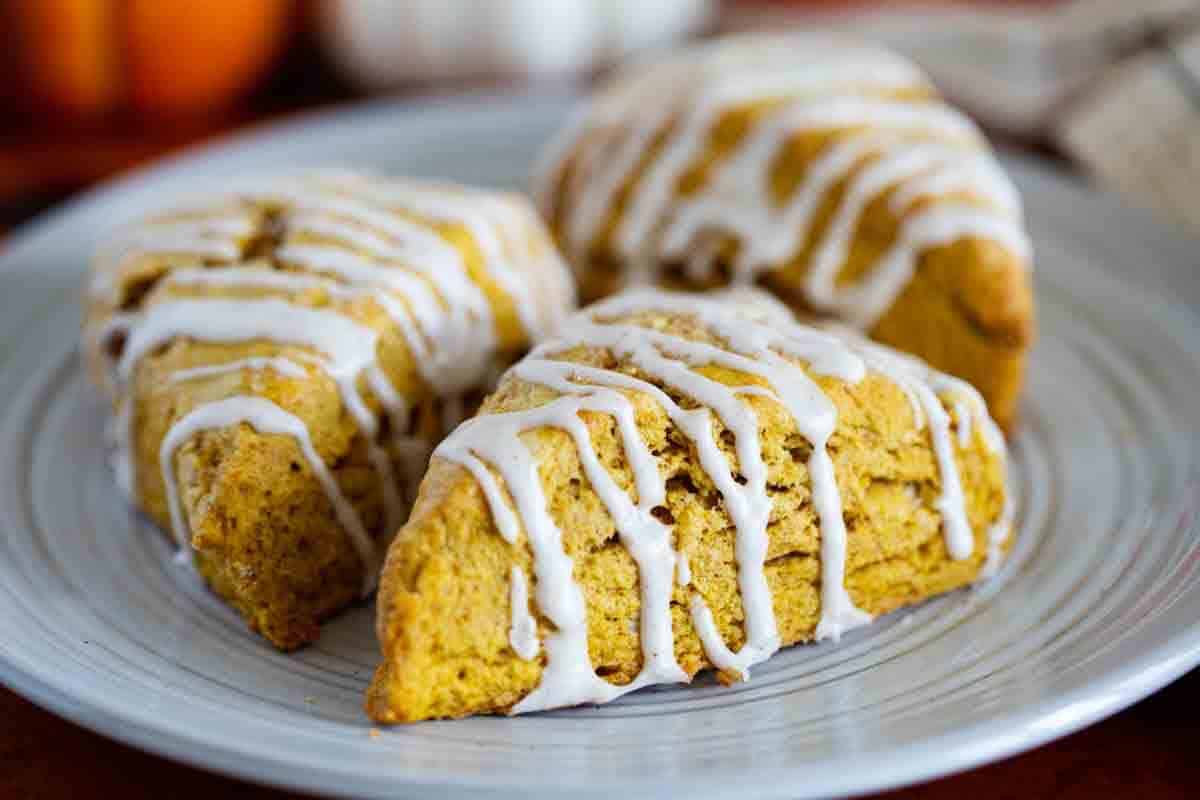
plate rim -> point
(981, 743)
(906, 765)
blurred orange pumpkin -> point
(158, 57)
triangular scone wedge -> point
(678, 483)
(825, 168)
(283, 357)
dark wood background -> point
(1150, 751)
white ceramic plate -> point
(1097, 607)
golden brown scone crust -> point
(968, 310)
(444, 610)
(265, 534)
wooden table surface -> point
(1148, 751)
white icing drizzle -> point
(756, 340)
(216, 234)
(274, 280)
(764, 67)
(655, 191)
(598, 180)
(925, 385)
(498, 226)
(449, 369)
(902, 163)
(284, 366)
(962, 418)
(522, 633)
(98, 337)
(417, 247)
(204, 236)
(969, 174)
(910, 148)
(456, 319)
(683, 571)
(414, 452)
(951, 504)
(352, 237)
(118, 436)
(998, 533)
(863, 303)
(568, 678)
(349, 346)
(266, 418)
(468, 314)
(749, 506)
(250, 277)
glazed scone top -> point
(326, 268)
(451, 254)
(778, 144)
(661, 346)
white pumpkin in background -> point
(384, 43)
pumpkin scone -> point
(677, 483)
(282, 359)
(822, 168)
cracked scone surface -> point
(447, 622)
(822, 168)
(282, 358)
